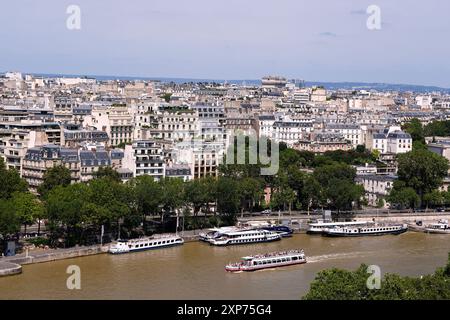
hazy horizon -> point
(320, 41)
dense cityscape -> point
(86, 161)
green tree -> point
(65, 212)
(251, 191)
(415, 129)
(328, 174)
(107, 172)
(28, 207)
(283, 197)
(437, 128)
(172, 195)
(228, 198)
(338, 183)
(114, 203)
(312, 194)
(343, 194)
(148, 196)
(433, 199)
(53, 177)
(380, 203)
(199, 193)
(9, 220)
(11, 181)
(422, 170)
(404, 197)
(166, 97)
(337, 284)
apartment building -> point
(52, 130)
(392, 140)
(38, 160)
(177, 124)
(320, 142)
(179, 171)
(145, 157)
(75, 136)
(350, 132)
(14, 144)
(115, 120)
(202, 158)
(63, 107)
(91, 161)
(376, 187)
(290, 132)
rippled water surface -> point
(196, 270)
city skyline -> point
(318, 41)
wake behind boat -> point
(269, 260)
(145, 243)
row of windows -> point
(246, 235)
(288, 259)
(244, 241)
(152, 244)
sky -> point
(320, 40)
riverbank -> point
(41, 256)
(300, 222)
(9, 269)
(195, 270)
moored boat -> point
(441, 227)
(145, 243)
(215, 233)
(245, 237)
(269, 260)
(284, 231)
(320, 227)
(376, 230)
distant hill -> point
(377, 86)
(327, 85)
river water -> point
(196, 270)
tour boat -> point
(440, 227)
(284, 231)
(215, 233)
(146, 243)
(320, 227)
(245, 237)
(270, 260)
(366, 231)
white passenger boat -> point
(245, 237)
(320, 227)
(366, 231)
(146, 243)
(215, 233)
(270, 260)
(440, 227)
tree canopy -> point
(53, 177)
(422, 171)
(338, 284)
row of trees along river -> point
(75, 212)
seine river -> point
(196, 270)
